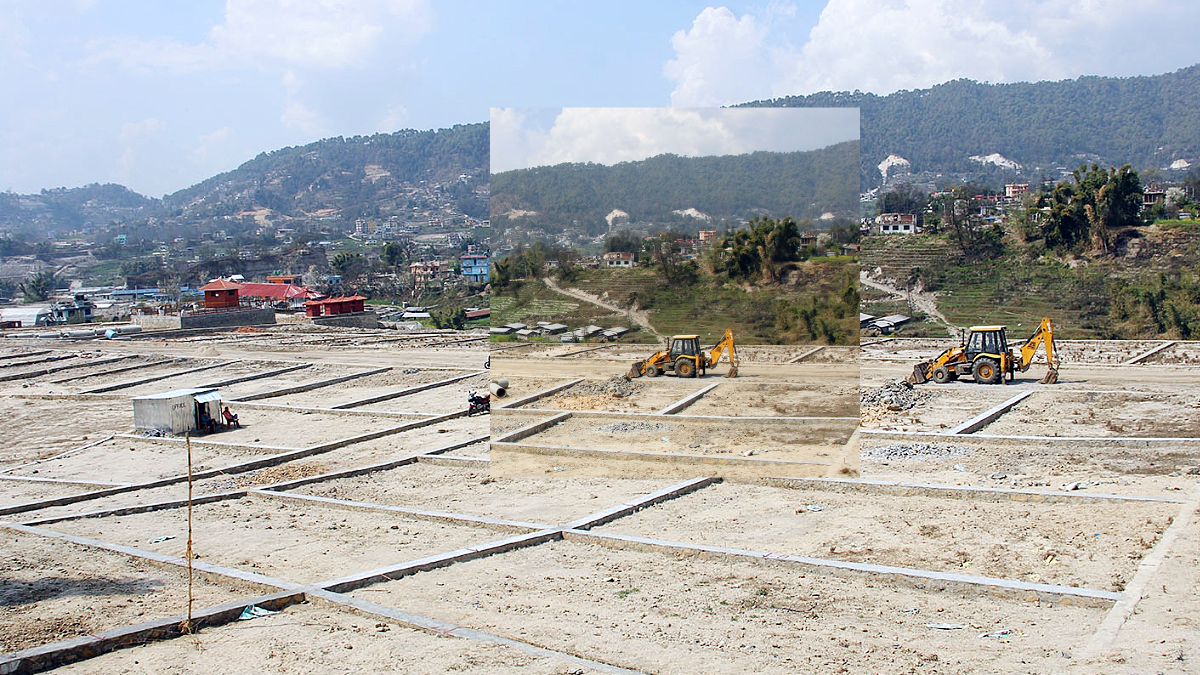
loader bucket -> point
(918, 374)
(636, 369)
(732, 371)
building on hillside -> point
(808, 239)
(428, 270)
(1015, 190)
(475, 268)
(293, 279)
(619, 259)
(707, 235)
(896, 223)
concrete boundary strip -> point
(921, 579)
(806, 354)
(237, 494)
(147, 380)
(38, 352)
(72, 451)
(28, 374)
(408, 391)
(123, 369)
(308, 386)
(948, 491)
(270, 460)
(1106, 634)
(686, 400)
(47, 657)
(442, 628)
(63, 481)
(531, 429)
(614, 413)
(494, 349)
(1143, 441)
(991, 415)
(246, 580)
(257, 376)
(371, 468)
(326, 411)
(464, 462)
(202, 442)
(581, 351)
(621, 510)
(541, 394)
(1144, 355)
(48, 359)
(445, 517)
(139, 508)
(393, 572)
(667, 457)
(875, 342)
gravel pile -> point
(627, 427)
(895, 395)
(915, 451)
(617, 386)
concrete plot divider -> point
(409, 391)
(148, 380)
(517, 403)
(47, 657)
(309, 386)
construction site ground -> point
(385, 538)
(1103, 467)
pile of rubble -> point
(617, 386)
(895, 396)
(916, 451)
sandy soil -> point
(1098, 414)
(366, 387)
(663, 614)
(200, 379)
(304, 542)
(651, 395)
(669, 434)
(55, 591)
(49, 427)
(471, 491)
(13, 492)
(739, 399)
(125, 460)
(302, 639)
(1094, 545)
(315, 373)
(435, 401)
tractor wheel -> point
(986, 371)
(941, 375)
(653, 371)
(685, 368)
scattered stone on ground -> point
(895, 396)
(628, 427)
(618, 386)
(917, 451)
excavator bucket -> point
(918, 373)
(1051, 377)
(732, 371)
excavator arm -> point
(725, 344)
(1043, 335)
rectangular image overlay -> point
(675, 292)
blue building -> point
(476, 268)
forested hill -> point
(797, 184)
(1147, 121)
(345, 177)
(349, 173)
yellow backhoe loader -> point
(985, 355)
(684, 357)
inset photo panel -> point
(675, 292)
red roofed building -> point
(278, 291)
(220, 294)
(335, 306)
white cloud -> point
(613, 135)
(886, 45)
(134, 131)
(395, 117)
(282, 35)
(300, 117)
(208, 145)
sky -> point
(160, 95)
(522, 138)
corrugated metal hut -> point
(175, 412)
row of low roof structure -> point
(546, 328)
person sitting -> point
(230, 418)
(207, 423)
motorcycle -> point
(478, 405)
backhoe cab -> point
(985, 355)
(684, 357)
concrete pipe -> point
(502, 382)
(497, 390)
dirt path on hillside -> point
(918, 301)
(640, 317)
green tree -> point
(39, 287)
(349, 265)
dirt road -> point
(638, 316)
(919, 301)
